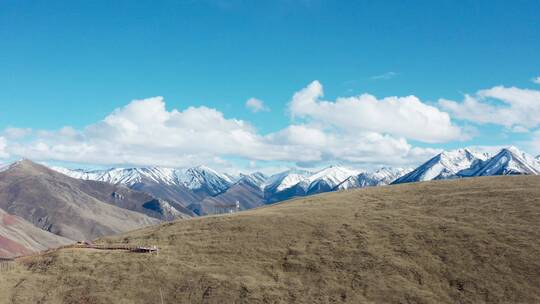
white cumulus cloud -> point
(398, 116)
(329, 145)
(511, 107)
(144, 132)
(256, 105)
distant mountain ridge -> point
(42, 208)
(383, 176)
(196, 178)
(444, 165)
(181, 188)
(466, 163)
(508, 161)
(202, 190)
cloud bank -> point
(358, 131)
(511, 107)
(353, 130)
(406, 117)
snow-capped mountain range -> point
(287, 179)
(321, 181)
(444, 165)
(193, 178)
(509, 161)
(383, 176)
(328, 179)
(256, 179)
(196, 188)
(467, 163)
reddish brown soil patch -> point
(9, 248)
(8, 219)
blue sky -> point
(72, 63)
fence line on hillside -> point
(123, 247)
(7, 264)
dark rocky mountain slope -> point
(69, 207)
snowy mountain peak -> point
(515, 152)
(307, 182)
(509, 161)
(460, 156)
(329, 178)
(131, 176)
(386, 175)
(467, 163)
(512, 149)
(202, 169)
(192, 178)
(194, 184)
(334, 174)
(287, 179)
(443, 165)
(202, 174)
(382, 176)
(256, 179)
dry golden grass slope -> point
(464, 241)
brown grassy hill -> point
(462, 241)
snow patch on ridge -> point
(192, 178)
